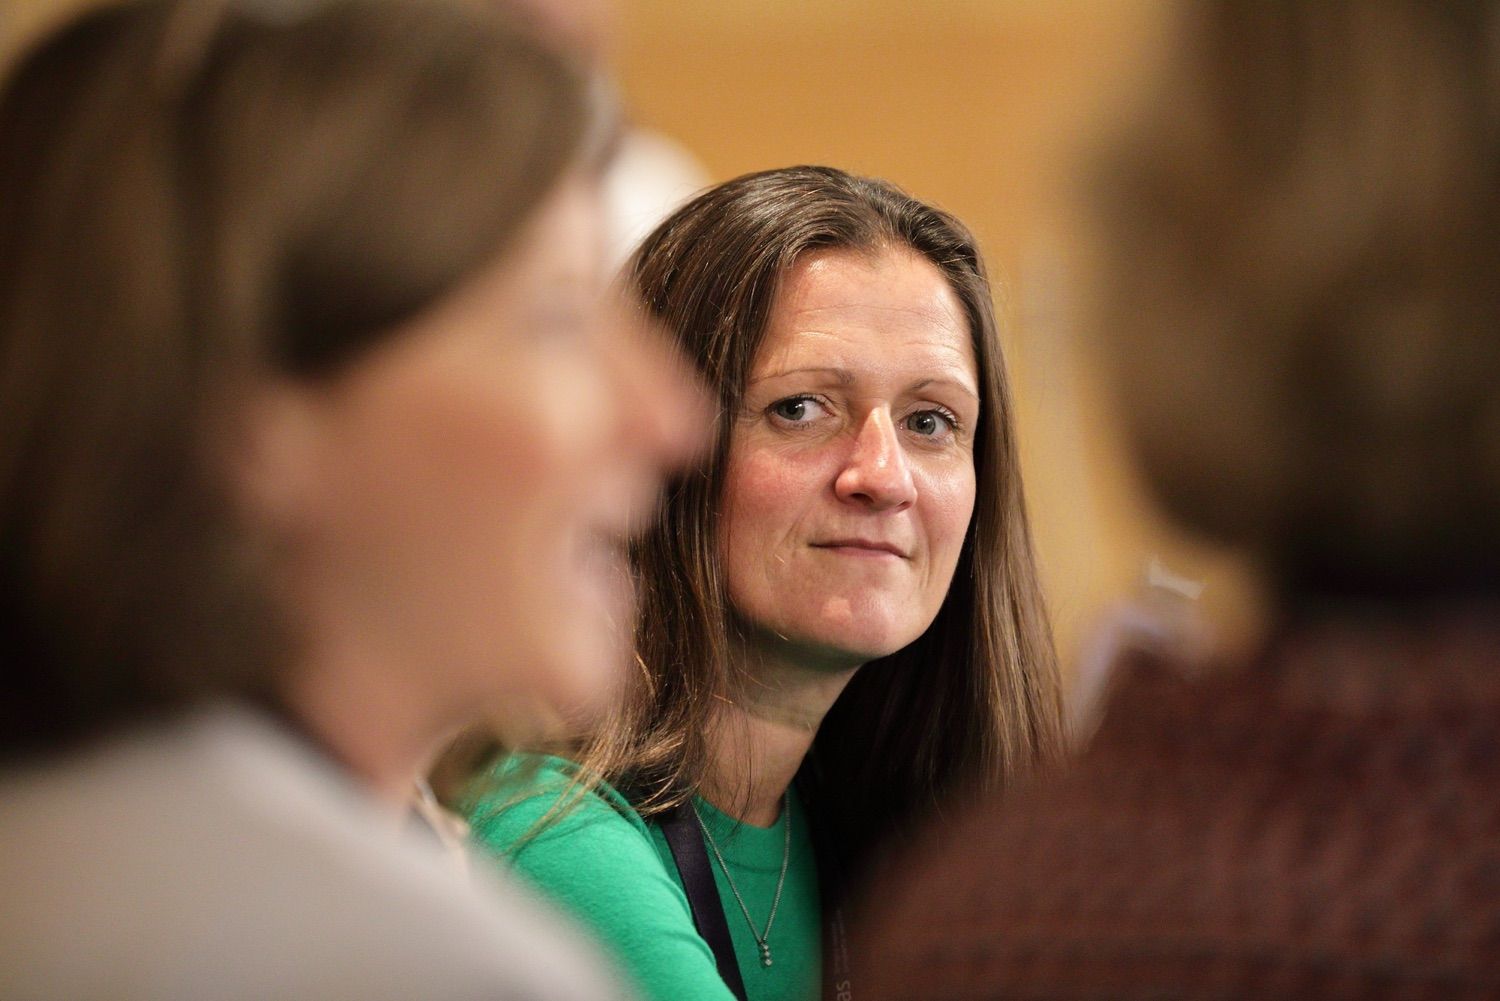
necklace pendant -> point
(765, 954)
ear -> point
(272, 455)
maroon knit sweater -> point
(1323, 822)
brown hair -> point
(192, 194)
(1303, 243)
(974, 701)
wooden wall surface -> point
(984, 107)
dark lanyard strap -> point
(686, 842)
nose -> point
(877, 474)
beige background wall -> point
(987, 108)
(981, 106)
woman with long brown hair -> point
(319, 434)
(841, 626)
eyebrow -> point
(844, 377)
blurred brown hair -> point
(974, 701)
(194, 194)
(1303, 307)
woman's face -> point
(850, 477)
(456, 501)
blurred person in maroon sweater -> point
(1301, 313)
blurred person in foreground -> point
(1303, 314)
(649, 174)
(321, 439)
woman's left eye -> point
(931, 423)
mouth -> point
(863, 547)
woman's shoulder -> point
(587, 849)
(302, 866)
(527, 802)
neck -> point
(760, 741)
(368, 720)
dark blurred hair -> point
(974, 701)
(193, 194)
(1303, 247)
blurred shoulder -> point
(264, 872)
(1335, 795)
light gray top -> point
(219, 857)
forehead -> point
(849, 307)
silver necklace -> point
(786, 858)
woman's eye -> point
(796, 409)
(930, 423)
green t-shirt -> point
(613, 870)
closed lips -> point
(865, 544)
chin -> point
(872, 628)
(866, 649)
(846, 647)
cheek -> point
(461, 464)
(947, 509)
(765, 495)
(480, 455)
(529, 438)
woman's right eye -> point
(796, 409)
